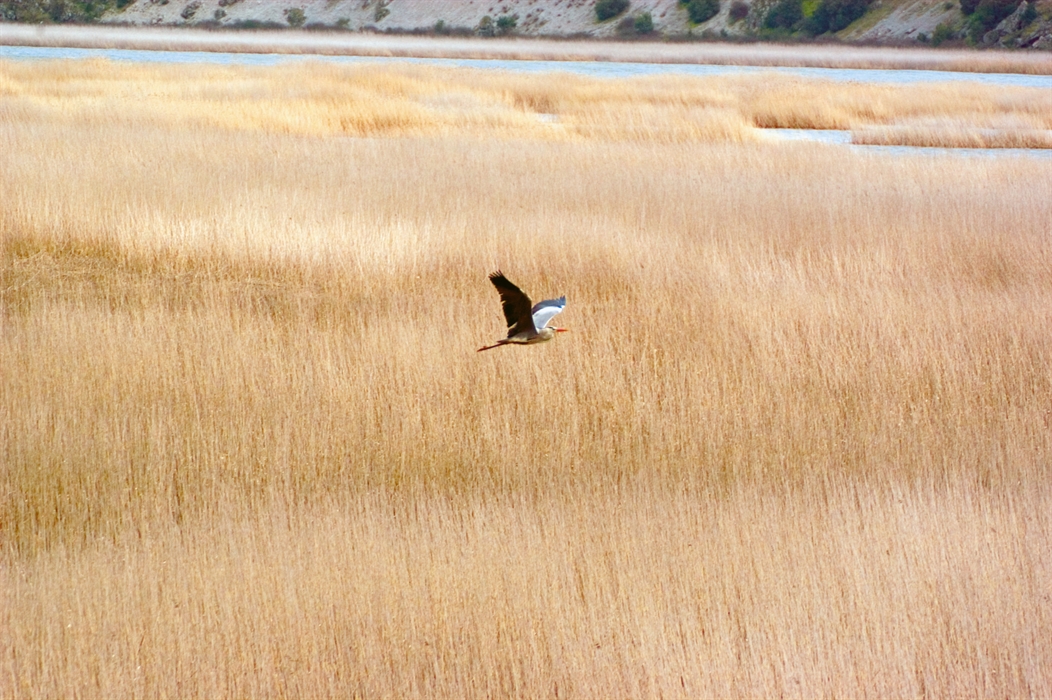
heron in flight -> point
(525, 325)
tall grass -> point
(940, 136)
(797, 442)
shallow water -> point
(599, 69)
(843, 138)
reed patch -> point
(797, 442)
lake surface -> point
(598, 69)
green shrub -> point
(506, 24)
(17, 11)
(834, 15)
(702, 10)
(255, 24)
(47, 11)
(608, 9)
(295, 17)
(987, 14)
(784, 14)
(486, 27)
(943, 32)
(644, 23)
(739, 11)
(58, 11)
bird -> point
(526, 325)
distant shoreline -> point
(402, 45)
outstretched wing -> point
(545, 311)
(515, 303)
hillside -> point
(1003, 23)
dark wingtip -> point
(499, 280)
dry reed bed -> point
(960, 137)
(797, 442)
(866, 592)
(327, 100)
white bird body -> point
(526, 324)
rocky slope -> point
(883, 21)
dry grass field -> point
(798, 442)
(953, 136)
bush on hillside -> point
(486, 27)
(295, 17)
(943, 32)
(608, 9)
(739, 11)
(784, 14)
(506, 24)
(55, 11)
(988, 13)
(702, 10)
(834, 15)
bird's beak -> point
(561, 330)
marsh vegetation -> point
(798, 442)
